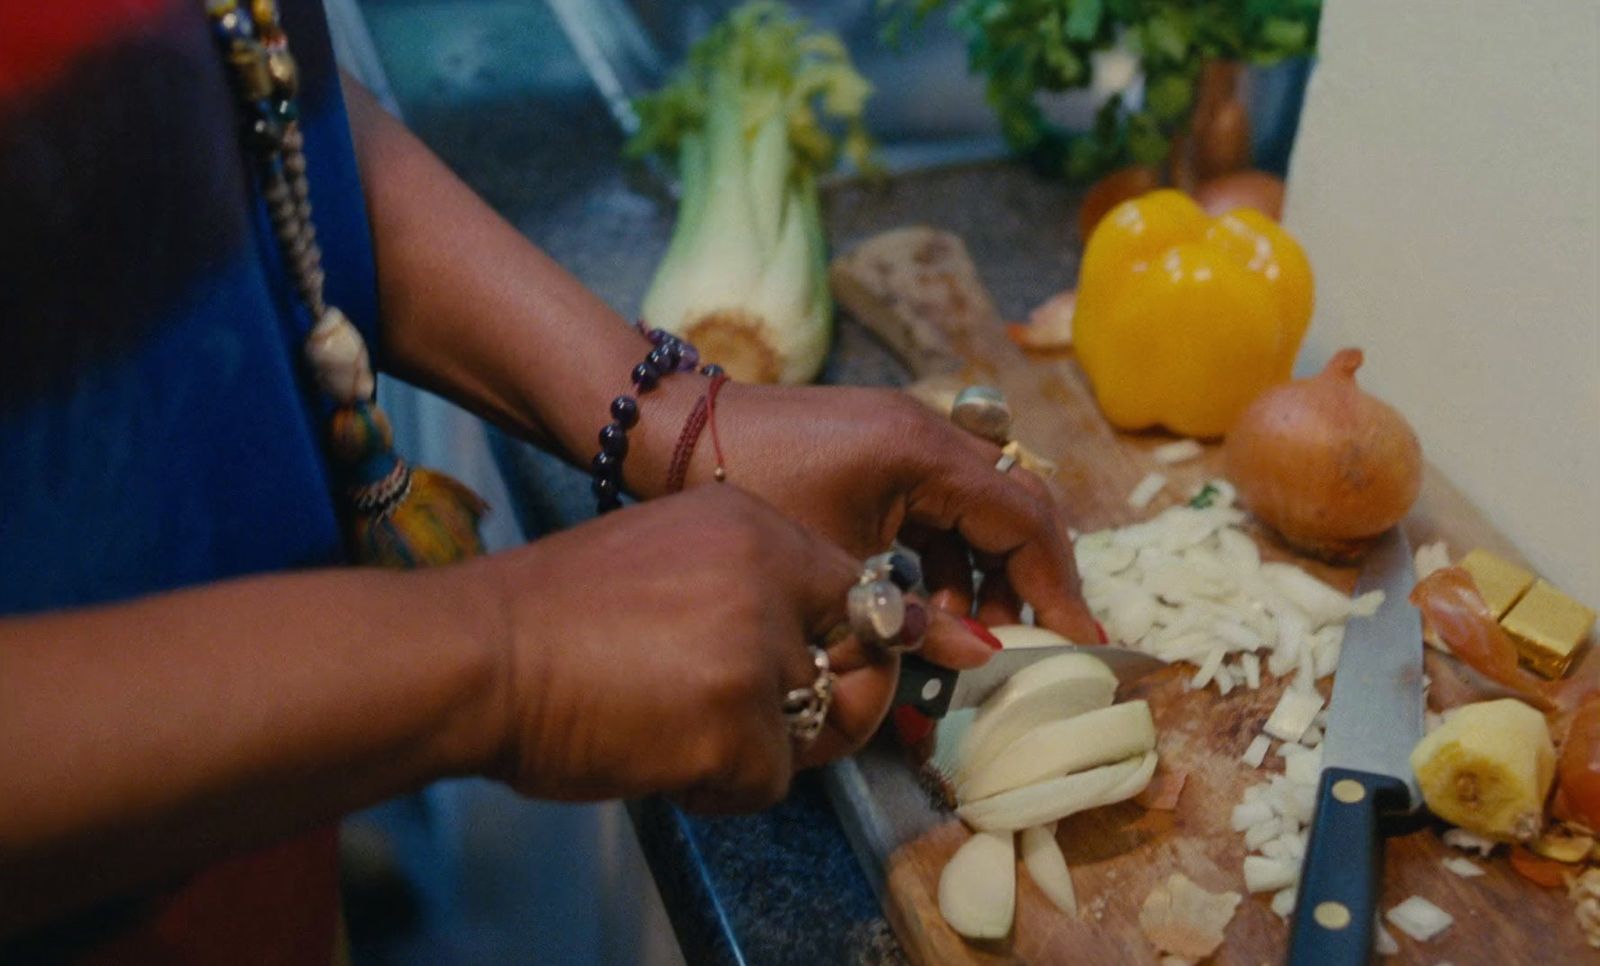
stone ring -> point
(880, 615)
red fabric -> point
(39, 38)
(277, 907)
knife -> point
(1373, 723)
(936, 691)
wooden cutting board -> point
(1118, 854)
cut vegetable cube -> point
(1295, 713)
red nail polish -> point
(981, 633)
(912, 725)
(1100, 629)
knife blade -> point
(936, 691)
(1374, 721)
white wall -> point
(1446, 184)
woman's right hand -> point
(649, 651)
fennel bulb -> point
(745, 275)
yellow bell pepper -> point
(1183, 319)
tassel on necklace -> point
(394, 514)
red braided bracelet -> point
(678, 471)
(704, 411)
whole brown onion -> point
(1324, 464)
(1242, 189)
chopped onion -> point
(1252, 670)
(1295, 712)
(1382, 943)
(1146, 491)
(1321, 603)
(1304, 768)
(1283, 902)
(1419, 919)
(1189, 582)
(1257, 752)
(1367, 604)
(1469, 841)
(1260, 834)
(1431, 557)
(1465, 868)
(1268, 875)
(1312, 738)
(1178, 452)
(1208, 669)
(1246, 815)
(1303, 803)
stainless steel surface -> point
(1376, 715)
(973, 686)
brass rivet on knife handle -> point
(1331, 915)
(1349, 791)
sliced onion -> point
(978, 887)
(1057, 798)
(1055, 688)
(1048, 867)
(1088, 740)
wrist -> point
(474, 737)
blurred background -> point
(529, 101)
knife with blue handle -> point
(1374, 721)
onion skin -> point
(1579, 765)
(1242, 189)
(1111, 191)
(1327, 466)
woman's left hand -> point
(865, 467)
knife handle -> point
(1338, 894)
(925, 686)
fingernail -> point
(982, 633)
(912, 725)
(1100, 629)
(915, 625)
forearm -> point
(476, 312)
(141, 741)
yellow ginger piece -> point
(1488, 769)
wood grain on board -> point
(1118, 854)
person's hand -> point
(866, 466)
(649, 651)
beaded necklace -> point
(394, 514)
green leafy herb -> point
(1028, 47)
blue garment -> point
(156, 428)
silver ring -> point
(983, 412)
(805, 709)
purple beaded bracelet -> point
(668, 354)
